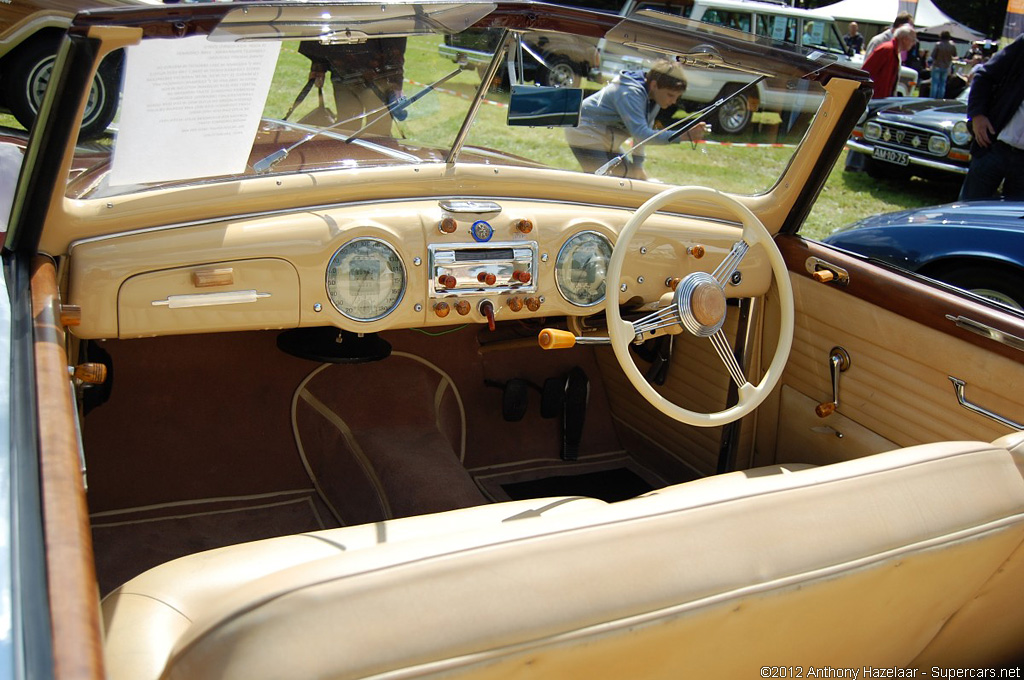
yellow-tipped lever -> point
(552, 338)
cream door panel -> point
(898, 386)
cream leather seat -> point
(870, 562)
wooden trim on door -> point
(71, 573)
(901, 294)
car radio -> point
(483, 268)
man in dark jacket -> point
(995, 109)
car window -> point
(823, 35)
(777, 27)
(741, 21)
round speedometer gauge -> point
(581, 267)
(365, 279)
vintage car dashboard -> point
(373, 267)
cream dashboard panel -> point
(368, 268)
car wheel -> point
(734, 114)
(28, 75)
(561, 72)
(989, 281)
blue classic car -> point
(977, 245)
(904, 137)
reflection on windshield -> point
(302, 106)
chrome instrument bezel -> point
(401, 291)
(559, 269)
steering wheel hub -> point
(701, 303)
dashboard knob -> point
(524, 225)
(521, 275)
(696, 252)
(462, 307)
(442, 309)
(487, 310)
(515, 304)
(533, 304)
(448, 225)
(487, 278)
(446, 281)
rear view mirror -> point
(535, 106)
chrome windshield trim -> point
(356, 23)
(6, 467)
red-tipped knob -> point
(487, 309)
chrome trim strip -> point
(8, 488)
(986, 331)
(959, 387)
(470, 206)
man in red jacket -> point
(884, 63)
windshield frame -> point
(93, 34)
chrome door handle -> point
(958, 388)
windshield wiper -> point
(393, 107)
(692, 119)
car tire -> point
(561, 72)
(734, 114)
(28, 73)
(991, 281)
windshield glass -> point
(405, 89)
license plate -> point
(890, 156)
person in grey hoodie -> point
(626, 109)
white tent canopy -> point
(882, 12)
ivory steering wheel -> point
(699, 307)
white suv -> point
(767, 19)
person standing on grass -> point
(995, 109)
(884, 62)
(902, 19)
(943, 55)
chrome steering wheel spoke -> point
(656, 320)
(728, 357)
(723, 273)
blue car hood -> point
(1002, 215)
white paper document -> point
(187, 113)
